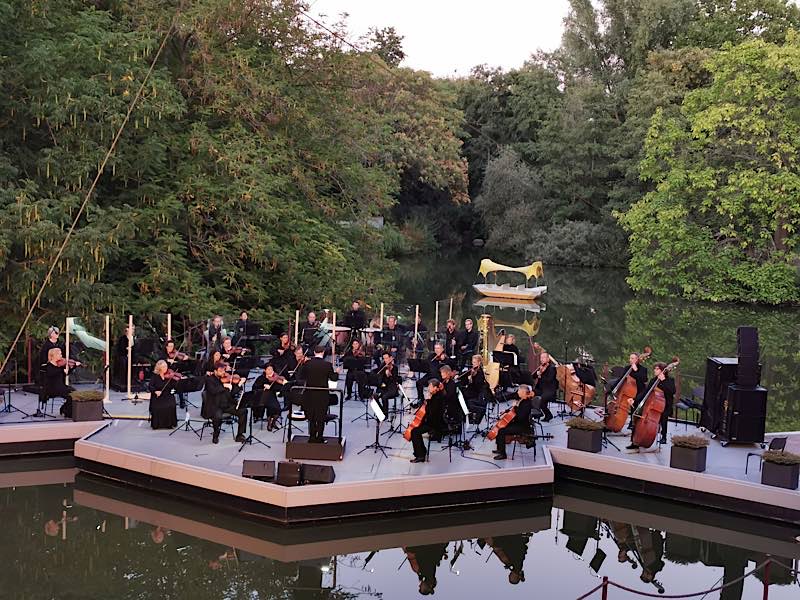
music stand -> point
(379, 418)
(357, 363)
(295, 397)
(186, 426)
(399, 428)
(419, 365)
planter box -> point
(581, 439)
(784, 476)
(688, 459)
(91, 410)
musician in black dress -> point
(283, 356)
(356, 374)
(355, 318)
(435, 360)
(211, 363)
(220, 399)
(310, 336)
(473, 386)
(467, 342)
(511, 550)
(510, 346)
(240, 329)
(432, 423)
(55, 381)
(546, 383)
(264, 396)
(317, 372)
(424, 560)
(163, 410)
(521, 423)
(120, 366)
(667, 385)
(388, 382)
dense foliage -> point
(259, 149)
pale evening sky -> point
(448, 37)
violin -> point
(235, 350)
(231, 379)
(173, 375)
(175, 355)
(63, 362)
(275, 378)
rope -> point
(89, 193)
(591, 591)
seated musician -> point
(211, 363)
(389, 382)
(55, 377)
(231, 353)
(435, 361)
(162, 388)
(220, 399)
(418, 344)
(512, 376)
(546, 383)
(667, 385)
(355, 318)
(433, 421)
(424, 560)
(511, 550)
(283, 356)
(473, 386)
(534, 357)
(265, 392)
(355, 375)
(467, 342)
(451, 338)
(176, 361)
(310, 336)
(452, 407)
(521, 424)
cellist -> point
(667, 385)
(520, 424)
(433, 421)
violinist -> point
(55, 377)
(283, 356)
(433, 421)
(355, 374)
(266, 389)
(211, 363)
(220, 399)
(229, 351)
(176, 361)
(310, 337)
(451, 338)
(452, 407)
(355, 318)
(546, 383)
(467, 341)
(424, 561)
(388, 382)
(520, 424)
(435, 361)
(473, 386)
(667, 385)
(163, 412)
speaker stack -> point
(734, 404)
(289, 473)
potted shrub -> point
(780, 469)
(87, 405)
(689, 452)
(584, 434)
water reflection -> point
(94, 538)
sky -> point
(449, 37)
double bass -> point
(650, 411)
(623, 394)
(577, 395)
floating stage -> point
(125, 449)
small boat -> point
(513, 292)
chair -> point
(226, 419)
(529, 439)
(777, 444)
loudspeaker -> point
(720, 373)
(748, 373)
(262, 470)
(318, 473)
(747, 341)
(288, 473)
(745, 414)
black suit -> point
(433, 423)
(521, 424)
(218, 401)
(317, 372)
(355, 319)
(547, 387)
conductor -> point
(317, 372)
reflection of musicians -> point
(424, 560)
(220, 400)
(511, 550)
(667, 385)
(317, 372)
(520, 424)
(547, 383)
(432, 423)
(649, 545)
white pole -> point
(296, 325)
(436, 319)
(66, 350)
(169, 326)
(107, 395)
(333, 341)
(381, 325)
(416, 326)
(450, 316)
(130, 352)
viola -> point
(649, 412)
(623, 394)
(175, 355)
(173, 375)
(416, 422)
(502, 422)
(231, 379)
(63, 362)
(234, 350)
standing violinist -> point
(388, 382)
(667, 385)
(433, 421)
(55, 377)
(355, 318)
(473, 386)
(265, 391)
(355, 374)
(521, 423)
(435, 361)
(546, 383)
(163, 413)
(220, 399)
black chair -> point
(226, 418)
(529, 439)
(777, 444)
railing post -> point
(605, 588)
(766, 580)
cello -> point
(502, 422)
(623, 394)
(416, 422)
(650, 411)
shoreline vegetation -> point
(660, 139)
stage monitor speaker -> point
(720, 373)
(748, 372)
(262, 470)
(318, 473)
(747, 342)
(288, 473)
(745, 415)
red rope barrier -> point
(592, 591)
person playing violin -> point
(436, 359)
(283, 356)
(433, 421)
(162, 388)
(55, 378)
(388, 382)
(220, 399)
(667, 385)
(546, 383)
(266, 389)
(520, 425)
(355, 375)
(473, 386)
(176, 361)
